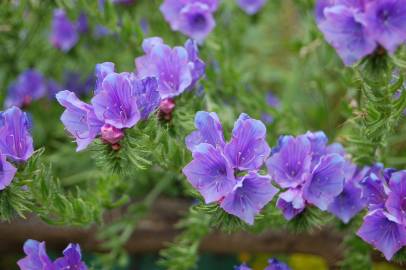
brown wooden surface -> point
(157, 229)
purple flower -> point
(216, 163)
(193, 18)
(290, 166)
(355, 28)
(72, 259)
(177, 69)
(396, 201)
(116, 103)
(348, 203)
(53, 88)
(102, 70)
(7, 172)
(249, 196)
(120, 102)
(100, 31)
(325, 182)
(386, 22)
(82, 23)
(272, 100)
(247, 149)
(242, 267)
(384, 231)
(275, 264)
(36, 257)
(375, 191)
(29, 86)
(210, 173)
(196, 21)
(345, 31)
(311, 174)
(15, 138)
(79, 119)
(291, 203)
(209, 130)
(171, 66)
(63, 34)
(251, 6)
(148, 98)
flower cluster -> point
(193, 18)
(273, 264)
(251, 6)
(228, 172)
(384, 226)
(120, 101)
(16, 143)
(357, 28)
(314, 173)
(29, 86)
(37, 258)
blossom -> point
(37, 258)
(116, 104)
(386, 22)
(348, 203)
(7, 172)
(177, 69)
(79, 119)
(384, 226)
(227, 172)
(121, 101)
(291, 202)
(384, 231)
(29, 86)
(193, 18)
(15, 137)
(396, 201)
(63, 34)
(209, 130)
(310, 171)
(82, 23)
(275, 264)
(356, 28)
(242, 267)
(72, 259)
(251, 6)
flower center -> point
(198, 22)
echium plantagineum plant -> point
(228, 173)
(314, 173)
(16, 144)
(38, 259)
(121, 100)
(360, 28)
(243, 178)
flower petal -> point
(210, 173)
